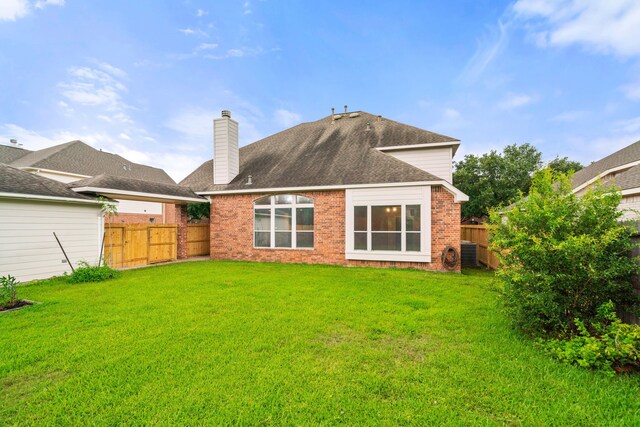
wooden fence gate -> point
(128, 245)
(198, 240)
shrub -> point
(610, 343)
(562, 256)
(8, 291)
(92, 273)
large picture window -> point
(387, 228)
(283, 221)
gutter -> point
(459, 195)
(23, 196)
(112, 191)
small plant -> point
(92, 273)
(8, 291)
(607, 345)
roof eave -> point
(459, 196)
(137, 195)
(24, 196)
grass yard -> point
(247, 343)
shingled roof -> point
(16, 181)
(8, 153)
(107, 182)
(79, 158)
(325, 153)
(621, 157)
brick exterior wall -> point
(181, 219)
(232, 231)
(131, 218)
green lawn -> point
(247, 343)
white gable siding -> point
(28, 249)
(436, 161)
(630, 205)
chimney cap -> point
(226, 113)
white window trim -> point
(388, 200)
(272, 231)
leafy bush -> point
(609, 344)
(92, 273)
(8, 291)
(562, 256)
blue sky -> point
(144, 79)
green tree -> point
(564, 165)
(197, 210)
(562, 256)
(495, 179)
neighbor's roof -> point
(8, 153)
(105, 185)
(16, 181)
(79, 158)
(620, 158)
(323, 153)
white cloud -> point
(487, 49)
(600, 26)
(286, 118)
(569, 116)
(124, 136)
(451, 114)
(193, 31)
(201, 12)
(246, 6)
(41, 4)
(515, 100)
(10, 10)
(94, 87)
(629, 126)
(207, 46)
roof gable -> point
(76, 157)
(9, 154)
(627, 155)
(16, 181)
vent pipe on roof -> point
(345, 108)
(226, 154)
(333, 113)
(368, 126)
(14, 142)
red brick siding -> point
(181, 220)
(131, 218)
(232, 231)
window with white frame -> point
(388, 224)
(387, 228)
(283, 221)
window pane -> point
(304, 240)
(413, 217)
(283, 218)
(262, 239)
(266, 200)
(263, 219)
(283, 240)
(284, 199)
(413, 242)
(304, 219)
(360, 218)
(360, 241)
(386, 218)
(303, 199)
(386, 241)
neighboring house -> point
(622, 169)
(32, 208)
(76, 160)
(349, 189)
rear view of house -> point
(348, 189)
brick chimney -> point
(226, 159)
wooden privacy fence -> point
(128, 245)
(479, 234)
(198, 239)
